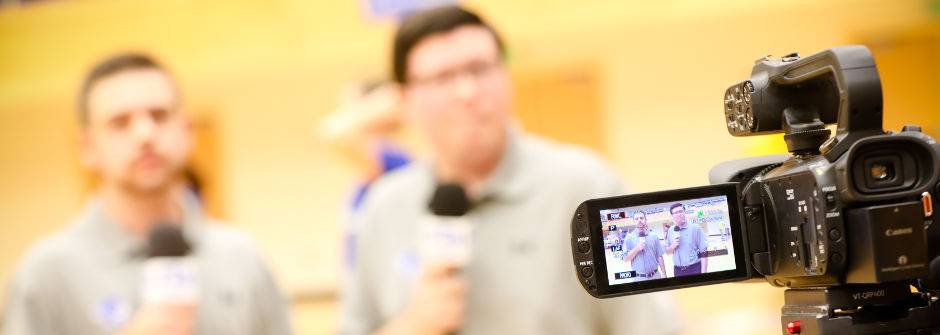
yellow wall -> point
(261, 73)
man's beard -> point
(146, 189)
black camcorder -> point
(843, 222)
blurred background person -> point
(86, 279)
(363, 130)
(457, 91)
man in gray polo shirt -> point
(520, 279)
(644, 251)
(687, 243)
(86, 279)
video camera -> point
(843, 222)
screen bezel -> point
(735, 216)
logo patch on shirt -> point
(409, 264)
(112, 312)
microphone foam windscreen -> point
(449, 200)
(167, 240)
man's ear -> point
(190, 126)
(88, 153)
(406, 101)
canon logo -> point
(896, 232)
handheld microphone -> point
(169, 273)
(446, 236)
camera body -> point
(848, 209)
(853, 210)
(862, 219)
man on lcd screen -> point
(644, 251)
(687, 242)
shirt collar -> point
(111, 235)
(506, 183)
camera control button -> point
(587, 272)
(836, 258)
(792, 57)
(794, 327)
(829, 144)
(927, 200)
(830, 200)
(835, 234)
(913, 128)
(584, 247)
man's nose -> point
(466, 86)
(144, 128)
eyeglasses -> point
(478, 71)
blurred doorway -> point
(562, 103)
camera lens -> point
(881, 171)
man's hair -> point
(108, 67)
(676, 205)
(639, 212)
(419, 25)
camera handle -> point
(858, 86)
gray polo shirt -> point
(647, 260)
(85, 280)
(521, 278)
(691, 242)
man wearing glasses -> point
(456, 90)
(687, 244)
